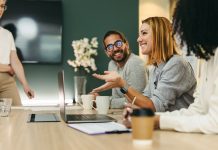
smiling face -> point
(145, 39)
(2, 4)
(118, 54)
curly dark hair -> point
(196, 21)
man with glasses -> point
(10, 65)
(127, 64)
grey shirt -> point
(134, 73)
(171, 85)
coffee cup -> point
(142, 125)
(102, 104)
(87, 101)
(5, 106)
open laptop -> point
(77, 118)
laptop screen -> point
(61, 94)
(77, 118)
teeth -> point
(143, 45)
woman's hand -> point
(11, 71)
(112, 79)
(126, 116)
(157, 122)
(7, 68)
(28, 91)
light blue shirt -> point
(171, 85)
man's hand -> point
(112, 79)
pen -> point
(117, 132)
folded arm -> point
(6, 68)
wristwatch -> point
(124, 89)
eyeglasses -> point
(4, 7)
(118, 44)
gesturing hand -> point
(112, 79)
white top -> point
(202, 115)
(6, 46)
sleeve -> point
(117, 101)
(201, 116)
(135, 75)
(196, 108)
(147, 90)
(205, 123)
(176, 78)
(12, 43)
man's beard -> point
(125, 55)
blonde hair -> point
(164, 45)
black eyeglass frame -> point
(116, 43)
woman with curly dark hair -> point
(196, 22)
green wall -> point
(85, 18)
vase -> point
(79, 87)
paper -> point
(100, 128)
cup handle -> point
(93, 106)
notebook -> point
(100, 128)
(77, 118)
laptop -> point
(77, 118)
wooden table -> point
(17, 134)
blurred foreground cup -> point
(142, 126)
(5, 106)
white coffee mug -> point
(102, 103)
(87, 101)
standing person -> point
(171, 82)
(125, 63)
(9, 65)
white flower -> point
(84, 52)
